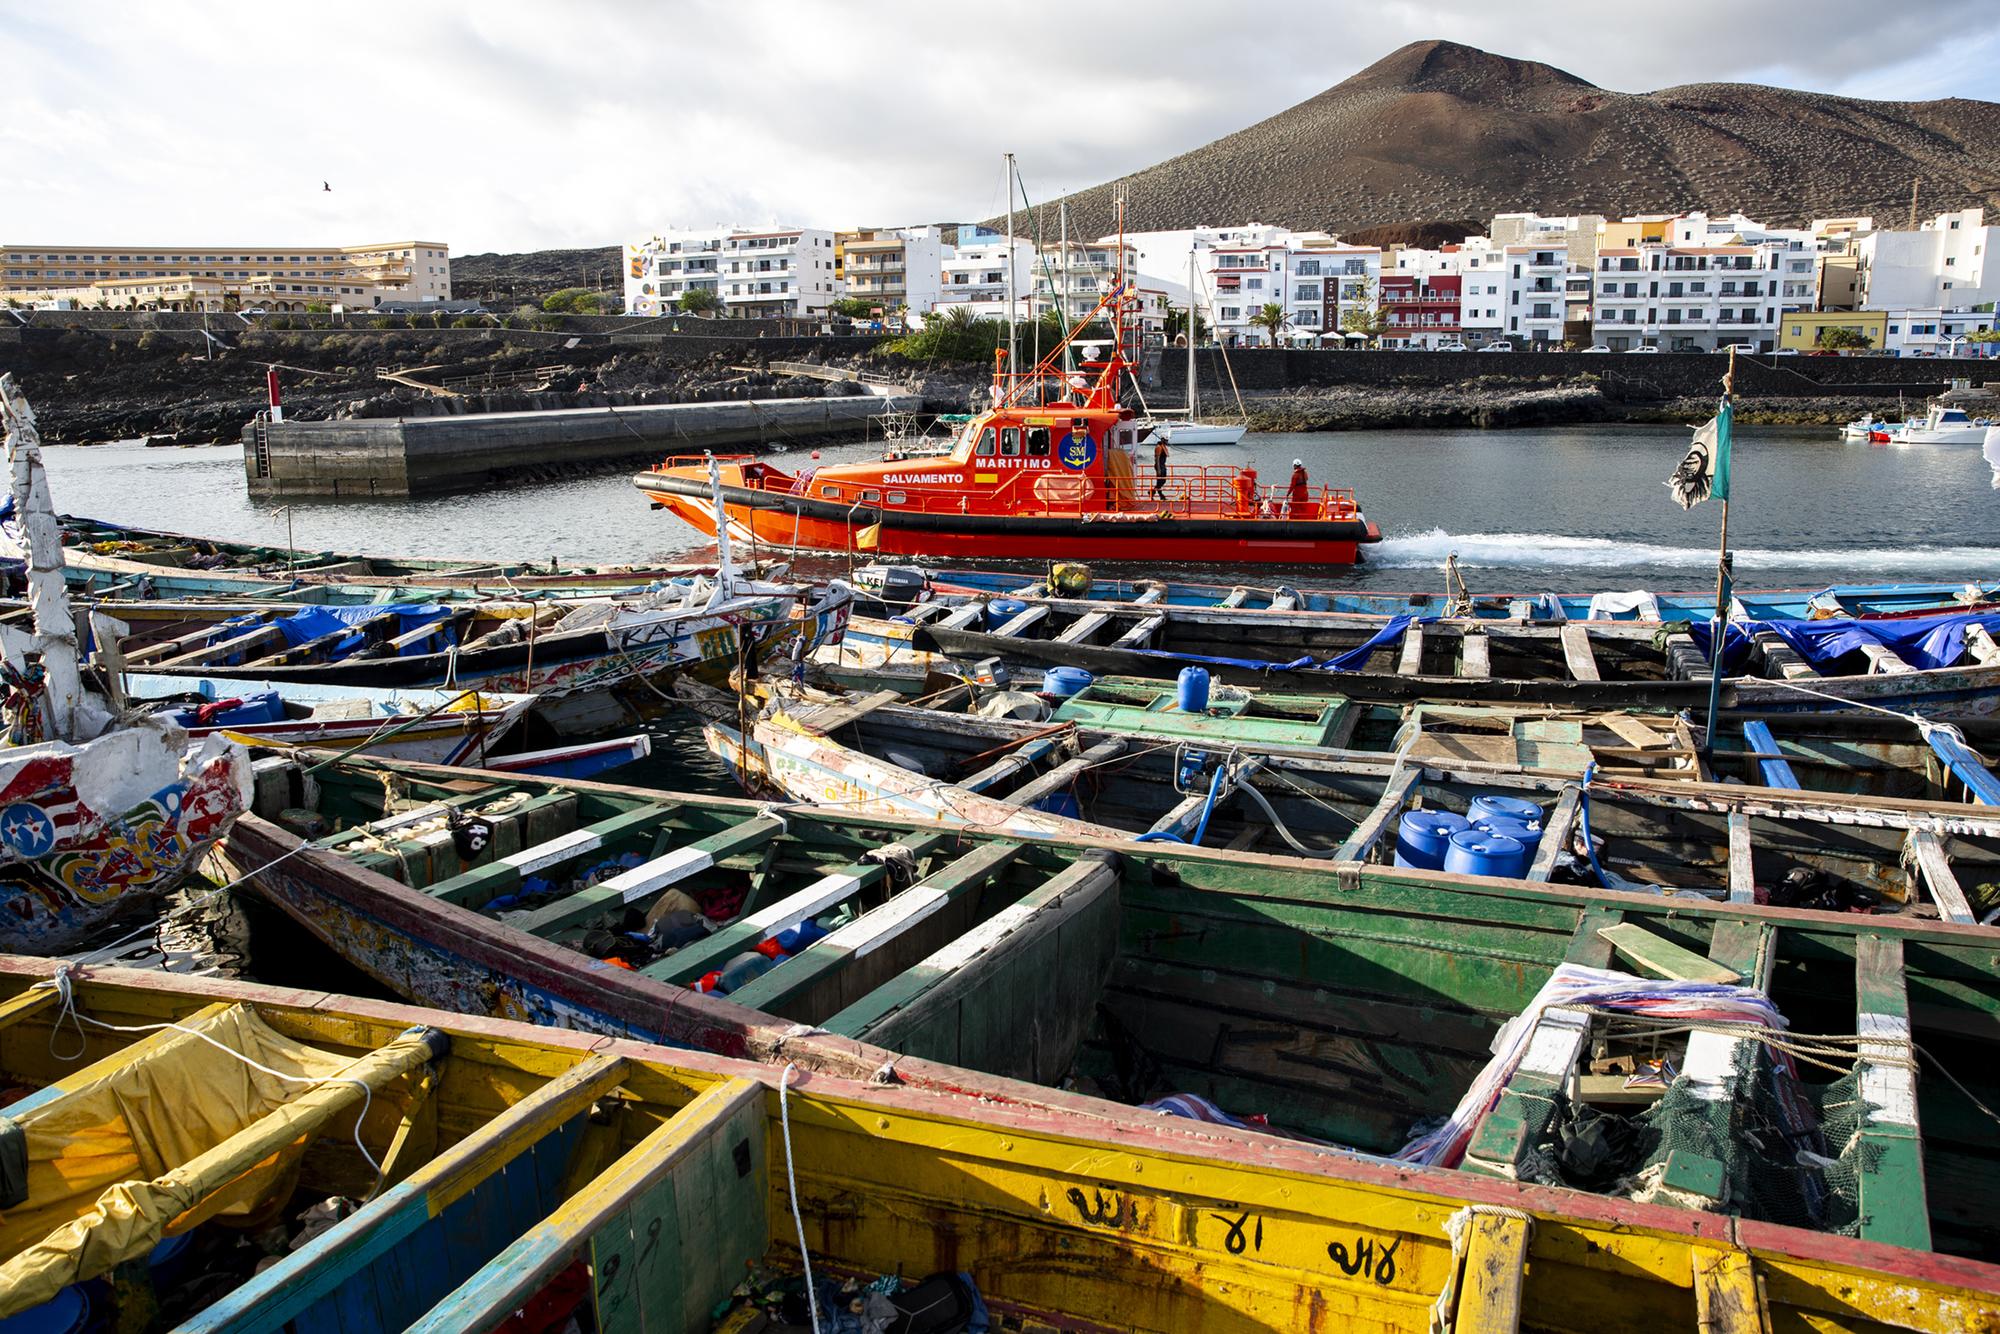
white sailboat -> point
(1191, 430)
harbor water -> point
(1563, 509)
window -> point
(1230, 313)
(1308, 268)
(831, 492)
(1306, 292)
(1253, 282)
(1038, 442)
(898, 498)
(985, 449)
(1010, 442)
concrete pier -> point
(416, 456)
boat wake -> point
(1545, 550)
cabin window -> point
(899, 498)
(1010, 442)
(831, 492)
(1038, 442)
(871, 495)
(986, 443)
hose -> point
(1583, 818)
(1250, 790)
(1207, 809)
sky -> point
(505, 125)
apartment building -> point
(1316, 279)
(1482, 269)
(224, 277)
(974, 275)
(1422, 308)
(1942, 264)
(1576, 234)
(891, 267)
(1536, 307)
(1075, 278)
(1692, 298)
(762, 274)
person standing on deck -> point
(1295, 500)
(1160, 452)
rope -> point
(1842, 700)
(1458, 1227)
(68, 1012)
(792, 1189)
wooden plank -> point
(1576, 652)
(693, 960)
(1894, 1205)
(1781, 660)
(327, 640)
(26, 1004)
(303, 1278)
(1949, 746)
(1060, 777)
(1411, 663)
(1017, 759)
(1883, 661)
(1476, 656)
(1139, 634)
(1685, 662)
(504, 875)
(241, 642)
(1286, 600)
(524, 1268)
(642, 882)
(831, 718)
(154, 654)
(1713, 1062)
(1522, 1111)
(1726, 1298)
(1980, 644)
(1152, 594)
(1931, 868)
(1556, 832)
(1083, 627)
(1586, 945)
(1635, 733)
(1656, 957)
(1496, 1263)
(1022, 621)
(1742, 880)
(878, 926)
(1376, 822)
(1237, 597)
(1771, 762)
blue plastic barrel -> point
(1002, 610)
(1192, 690)
(1475, 852)
(64, 1313)
(1504, 806)
(1527, 832)
(1422, 838)
(1062, 682)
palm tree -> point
(1271, 318)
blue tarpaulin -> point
(1355, 658)
(1924, 642)
(312, 622)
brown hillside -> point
(1437, 130)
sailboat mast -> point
(1194, 409)
(1010, 265)
(1062, 277)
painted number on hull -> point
(1244, 1233)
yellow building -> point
(1629, 233)
(225, 278)
(1800, 330)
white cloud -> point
(511, 125)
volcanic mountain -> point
(1437, 130)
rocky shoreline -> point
(91, 388)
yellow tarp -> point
(97, 1155)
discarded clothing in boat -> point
(1353, 659)
(1197, 1108)
(1924, 642)
(1635, 605)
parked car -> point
(1786, 352)
(1453, 347)
(1597, 347)
(1738, 347)
(1638, 351)
(1502, 346)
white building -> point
(762, 274)
(975, 275)
(1576, 233)
(1537, 299)
(1314, 278)
(1692, 298)
(1074, 281)
(893, 267)
(1482, 294)
(1942, 264)
(1933, 332)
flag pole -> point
(1719, 625)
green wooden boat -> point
(1347, 1002)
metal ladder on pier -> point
(260, 443)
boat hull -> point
(800, 523)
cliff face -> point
(1437, 130)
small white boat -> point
(1195, 433)
(1862, 427)
(1942, 426)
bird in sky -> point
(326, 187)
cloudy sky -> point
(503, 125)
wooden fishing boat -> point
(1350, 1003)
(1262, 781)
(1578, 665)
(635, 1187)
(99, 813)
(119, 560)
(592, 665)
(898, 587)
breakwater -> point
(417, 456)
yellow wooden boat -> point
(520, 1162)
